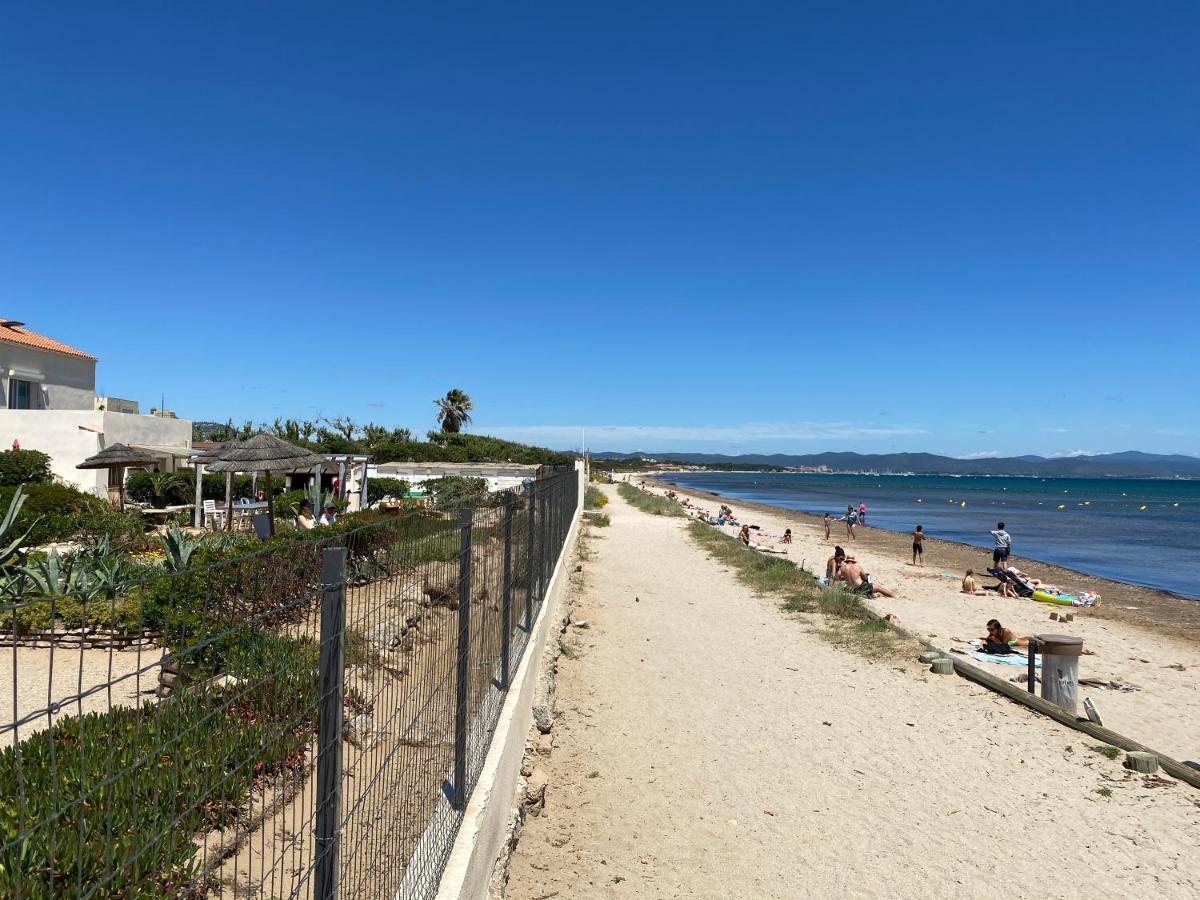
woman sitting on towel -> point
(787, 536)
(744, 535)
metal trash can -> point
(1060, 669)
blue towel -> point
(1004, 659)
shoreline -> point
(1131, 604)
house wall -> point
(65, 382)
(71, 436)
(499, 477)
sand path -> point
(709, 746)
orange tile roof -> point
(16, 333)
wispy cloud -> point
(982, 454)
(643, 436)
(1056, 430)
(1067, 454)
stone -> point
(361, 731)
(942, 666)
(1140, 761)
(542, 718)
(545, 744)
(168, 677)
(534, 800)
(385, 636)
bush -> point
(594, 498)
(67, 514)
(139, 487)
(142, 782)
(378, 488)
(454, 491)
(24, 467)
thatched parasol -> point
(263, 453)
(119, 456)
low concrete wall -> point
(485, 824)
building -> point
(499, 476)
(50, 404)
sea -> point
(1144, 532)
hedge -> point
(64, 514)
(24, 467)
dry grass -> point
(846, 621)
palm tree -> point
(454, 411)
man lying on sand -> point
(859, 581)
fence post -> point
(329, 721)
(463, 677)
(531, 499)
(506, 588)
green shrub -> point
(24, 467)
(139, 487)
(455, 491)
(378, 488)
(64, 513)
(141, 783)
(594, 498)
(651, 503)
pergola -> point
(119, 457)
(262, 453)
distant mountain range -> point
(1130, 464)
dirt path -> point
(708, 746)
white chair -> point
(211, 512)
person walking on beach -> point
(918, 537)
(862, 512)
(828, 522)
(851, 521)
(1003, 548)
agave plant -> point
(179, 547)
(13, 547)
(57, 576)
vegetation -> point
(1104, 750)
(57, 512)
(454, 491)
(850, 623)
(650, 503)
(454, 411)
(379, 488)
(180, 487)
(600, 520)
(24, 467)
(594, 498)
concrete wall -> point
(71, 436)
(484, 827)
(61, 381)
(499, 477)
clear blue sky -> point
(963, 228)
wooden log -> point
(942, 666)
(929, 656)
(1140, 761)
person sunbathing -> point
(859, 581)
(834, 563)
(969, 586)
(744, 535)
(787, 536)
(1000, 639)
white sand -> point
(707, 745)
(1164, 715)
(75, 673)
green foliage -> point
(455, 491)
(650, 503)
(58, 512)
(594, 498)
(140, 487)
(378, 488)
(1104, 750)
(120, 795)
(600, 520)
(24, 467)
(454, 411)
(179, 548)
(287, 504)
(15, 537)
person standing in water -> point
(918, 537)
(828, 521)
(862, 512)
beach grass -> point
(649, 503)
(599, 520)
(849, 623)
(594, 498)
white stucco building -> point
(49, 404)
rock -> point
(221, 683)
(545, 744)
(361, 731)
(942, 666)
(534, 800)
(411, 613)
(168, 677)
(1139, 761)
(385, 636)
(542, 718)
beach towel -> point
(1004, 659)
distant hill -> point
(1129, 464)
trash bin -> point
(1060, 669)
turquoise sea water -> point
(1100, 528)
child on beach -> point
(969, 586)
(828, 521)
(851, 521)
(918, 537)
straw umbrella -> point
(264, 453)
(118, 456)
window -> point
(20, 394)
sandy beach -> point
(1155, 646)
(707, 744)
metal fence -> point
(307, 720)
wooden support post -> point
(198, 512)
(942, 666)
(1140, 761)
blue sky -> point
(962, 228)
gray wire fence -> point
(305, 720)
